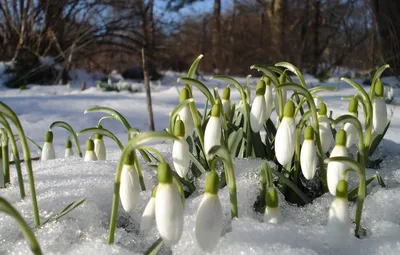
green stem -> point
(68, 127)
(133, 144)
(27, 157)
(116, 115)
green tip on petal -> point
(212, 183)
(130, 159)
(184, 94)
(271, 197)
(341, 138)
(322, 109)
(164, 173)
(48, 138)
(288, 111)
(226, 94)
(379, 89)
(260, 89)
(216, 111)
(353, 105)
(154, 191)
(89, 145)
(342, 189)
(309, 133)
(68, 144)
(98, 136)
(179, 128)
(267, 80)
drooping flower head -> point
(258, 108)
(212, 134)
(226, 103)
(48, 148)
(335, 170)
(90, 155)
(285, 138)
(379, 117)
(99, 147)
(169, 208)
(180, 150)
(185, 114)
(269, 99)
(325, 131)
(350, 129)
(149, 212)
(272, 212)
(209, 221)
(129, 190)
(308, 154)
(68, 149)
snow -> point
(85, 229)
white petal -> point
(169, 213)
(285, 141)
(209, 222)
(212, 134)
(90, 156)
(335, 170)
(317, 102)
(379, 115)
(351, 132)
(258, 113)
(226, 104)
(186, 117)
(68, 152)
(272, 215)
(129, 190)
(308, 159)
(325, 133)
(148, 215)
(48, 151)
(100, 149)
(180, 157)
(338, 223)
(269, 101)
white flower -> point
(185, 114)
(269, 101)
(325, 132)
(180, 157)
(339, 220)
(169, 208)
(68, 152)
(100, 148)
(351, 132)
(148, 215)
(226, 104)
(379, 114)
(209, 222)
(335, 170)
(317, 102)
(258, 113)
(129, 190)
(90, 155)
(272, 215)
(212, 134)
(308, 154)
(48, 151)
(285, 138)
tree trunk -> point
(388, 21)
(372, 42)
(216, 29)
(278, 28)
(148, 91)
(315, 9)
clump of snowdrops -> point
(306, 152)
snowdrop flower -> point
(99, 147)
(272, 212)
(68, 149)
(90, 155)
(350, 129)
(335, 170)
(308, 154)
(169, 208)
(209, 217)
(258, 108)
(185, 114)
(325, 131)
(226, 103)
(180, 150)
(269, 100)
(212, 134)
(149, 213)
(129, 189)
(339, 220)
(317, 101)
(379, 116)
(285, 138)
(48, 148)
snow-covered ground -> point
(84, 230)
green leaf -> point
(193, 67)
(66, 126)
(322, 88)
(104, 132)
(116, 115)
(30, 140)
(234, 141)
(175, 112)
(27, 232)
(377, 74)
(267, 72)
(293, 69)
(155, 247)
(377, 140)
(64, 211)
(197, 163)
(380, 179)
(259, 146)
(200, 86)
